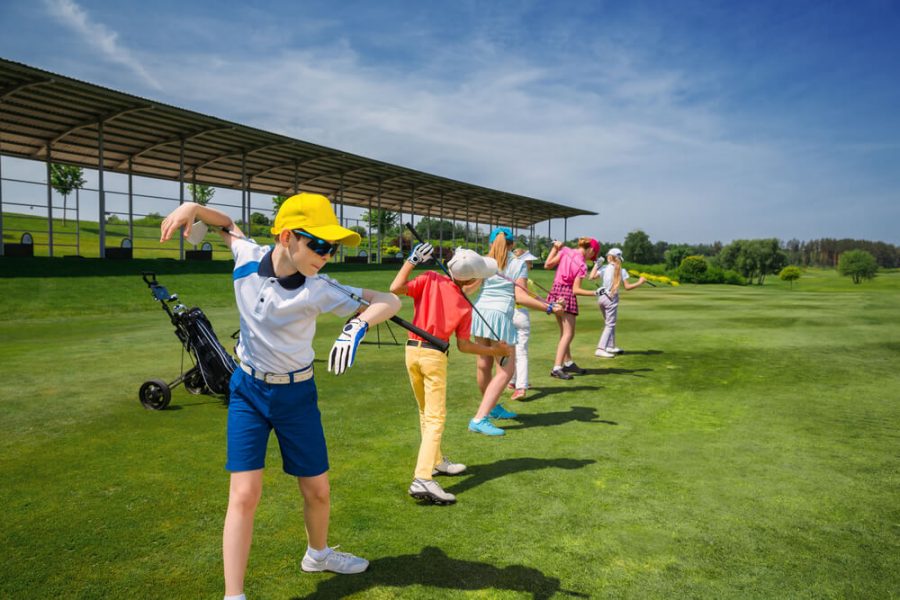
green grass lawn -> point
(745, 446)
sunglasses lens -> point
(318, 245)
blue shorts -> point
(256, 407)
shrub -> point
(731, 277)
(693, 269)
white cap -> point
(527, 256)
(468, 264)
(614, 252)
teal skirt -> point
(501, 322)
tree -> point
(790, 273)
(358, 229)
(858, 264)
(65, 179)
(675, 254)
(382, 220)
(638, 248)
(277, 201)
(434, 228)
(754, 259)
(201, 194)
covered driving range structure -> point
(57, 119)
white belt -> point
(279, 378)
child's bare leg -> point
(566, 333)
(495, 387)
(316, 509)
(483, 366)
(243, 498)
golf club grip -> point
(441, 344)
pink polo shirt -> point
(571, 266)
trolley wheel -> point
(194, 383)
(155, 394)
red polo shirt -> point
(439, 307)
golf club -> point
(436, 341)
(444, 268)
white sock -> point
(569, 363)
(238, 597)
(318, 554)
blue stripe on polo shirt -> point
(246, 269)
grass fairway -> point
(745, 446)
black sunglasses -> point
(318, 245)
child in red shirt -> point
(439, 308)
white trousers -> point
(522, 323)
(609, 308)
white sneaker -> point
(445, 467)
(603, 353)
(430, 490)
(615, 350)
(337, 562)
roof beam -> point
(168, 141)
(94, 122)
(9, 91)
(233, 152)
(289, 164)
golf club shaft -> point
(444, 268)
(441, 345)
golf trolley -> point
(213, 366)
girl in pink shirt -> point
(571, 268)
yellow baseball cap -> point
(313, 213)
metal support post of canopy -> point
(50, 203)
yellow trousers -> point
(427, 370)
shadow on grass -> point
(432, 568)
(480, 474)
(642, 352)
(616, 371)
(584, 414)
(535, 393)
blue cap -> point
(504, 230)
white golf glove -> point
(343, 352)
(421, 253)
(600, 292)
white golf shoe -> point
(446, 467)
(430, 490)
(337, 562)
(615, 350)
(600, 352)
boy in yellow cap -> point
(279, 294)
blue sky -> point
(694, 121)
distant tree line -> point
(751, 261)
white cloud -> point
(97, 35)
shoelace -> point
(342, 556)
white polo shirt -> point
(608, 272)
(278, 315)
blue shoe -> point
(498, 412)
(484, 426)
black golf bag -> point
(213, 365)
